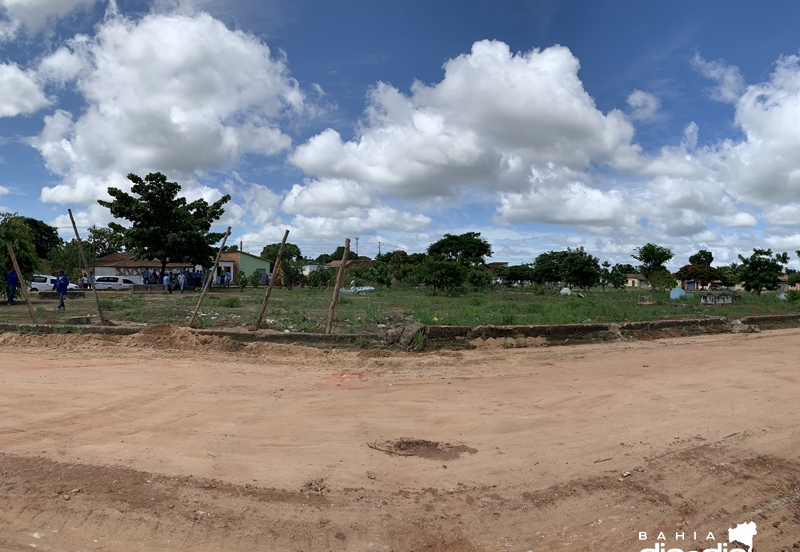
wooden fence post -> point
(86, 266)
(210, 276)
(336, 287)
(257, 325)
(22, 281)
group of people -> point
(183, 279)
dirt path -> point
(167, 441)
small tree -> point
(242, 280)
(321, 277)
(618, 276)
(255, 278)
(653, 258)
(702, 257)
(440, 274)
(661, 280)
(761, 270)
(479, 277)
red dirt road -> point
(169, 441)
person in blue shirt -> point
(61, 286)
(13, 282)
(167, 282)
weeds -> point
(418, 341)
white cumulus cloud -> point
(35, 13)
(173, 93)
(729, 79)
(493, 115)
(19, 92)
(644, 105)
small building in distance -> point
(123, 264)
(636, 281)
(235, 261)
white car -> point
(113, 282)
(43, 282)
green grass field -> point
(305, 310)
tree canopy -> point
(702, 258)
(700, 273)
(290, 251)
(14, 230)
(465, 249)
(104, 241)
(163, 225)
(44, 236)
(762, 270)
(653, 258)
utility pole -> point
(379, 249)
(356, 247)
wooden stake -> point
(22, 281)
(336, 287)
(274, 275)
(210, 276)
(86, 266)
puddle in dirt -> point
(421, 448)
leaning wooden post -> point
(336, 287)
(274, 275)
(86, 266)
(210, 276)
(22, 281)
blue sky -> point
(541, 125)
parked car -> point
(43, 282)
(113, 282)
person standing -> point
(167, 286)
(85, 281)
(13, 282)
(61, 286)
(181, 280)
(228, 279)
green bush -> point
(793, 296)
(230, 302)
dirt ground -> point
(169, 441)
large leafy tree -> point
(653, 258)
(163, 225)
(465, 249)
(45, 237)
(762, 270)
(581, 269)
(548, 268)
(14, 230)
(700, 273)
(290, 251)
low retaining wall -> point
(461, 336)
